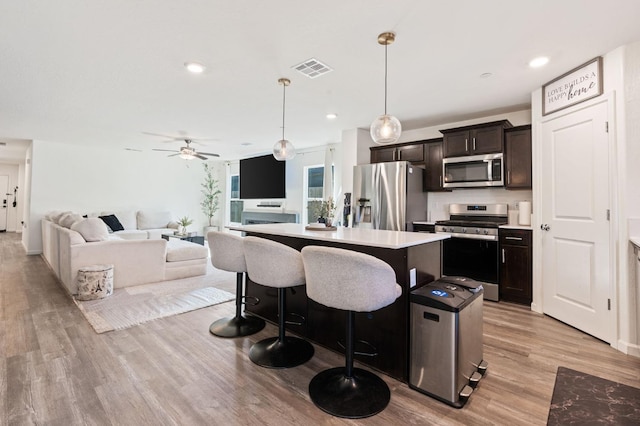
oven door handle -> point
(472, 236)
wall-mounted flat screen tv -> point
(262, 178)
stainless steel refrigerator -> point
(388, 196)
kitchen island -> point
(383, 335)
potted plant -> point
(184, 222)
(324, 210)
(329, 209)
(210, 204)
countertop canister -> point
(524, 213)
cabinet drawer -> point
(515, 237)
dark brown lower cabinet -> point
(515, 266)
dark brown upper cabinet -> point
(411, 151)
(433, 165)
(478, 139)
(517, 155)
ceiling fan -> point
(186, 152)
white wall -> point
(86, 179)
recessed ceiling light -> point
(332, 116)
(539, 62)
(486, 75)
(195, 67)
(246, 144)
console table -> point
(415, 258)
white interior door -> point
(575, 247)
(4, 207)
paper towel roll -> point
(524, 213)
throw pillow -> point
(91, 229)
(112, 222)
(69, 219)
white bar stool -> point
(353, 282)
(227, 254)
(273, 264)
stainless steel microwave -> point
(473, 171)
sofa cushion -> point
(91, 229)
(131, 234)
(112, 222)
(69, 219)
(179, 250)
(149, 219)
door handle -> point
(466, 144)
(508, 177)
(545, 227)
(503, 261)
(440, 181)
(474, 144)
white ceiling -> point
(103, 72)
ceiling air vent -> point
(3, 144)
(312, 68)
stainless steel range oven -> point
(472, 251)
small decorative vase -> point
(328, 222)
(322, 220)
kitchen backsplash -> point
(438, 202)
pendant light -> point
(283, 149)
(386, 128)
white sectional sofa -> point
(139, 256)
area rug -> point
(135, 305)
(580, 398)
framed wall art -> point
(578, 85)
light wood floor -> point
(55, 370)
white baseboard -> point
(629, 348)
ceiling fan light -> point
(284, 150)
(385, 129)
(187, 156)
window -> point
(313, 190)
(235, 203)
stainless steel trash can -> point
(446, 339)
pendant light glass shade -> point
(386, 128)
(283, 150)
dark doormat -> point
(580, 398)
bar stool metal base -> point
(236, 326)
(276, 353)
(364, 394)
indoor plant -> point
(184, 222)
(324, 210)
(211, 192)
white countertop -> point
(358, 236)
(525, 227)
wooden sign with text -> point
(578, 85)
